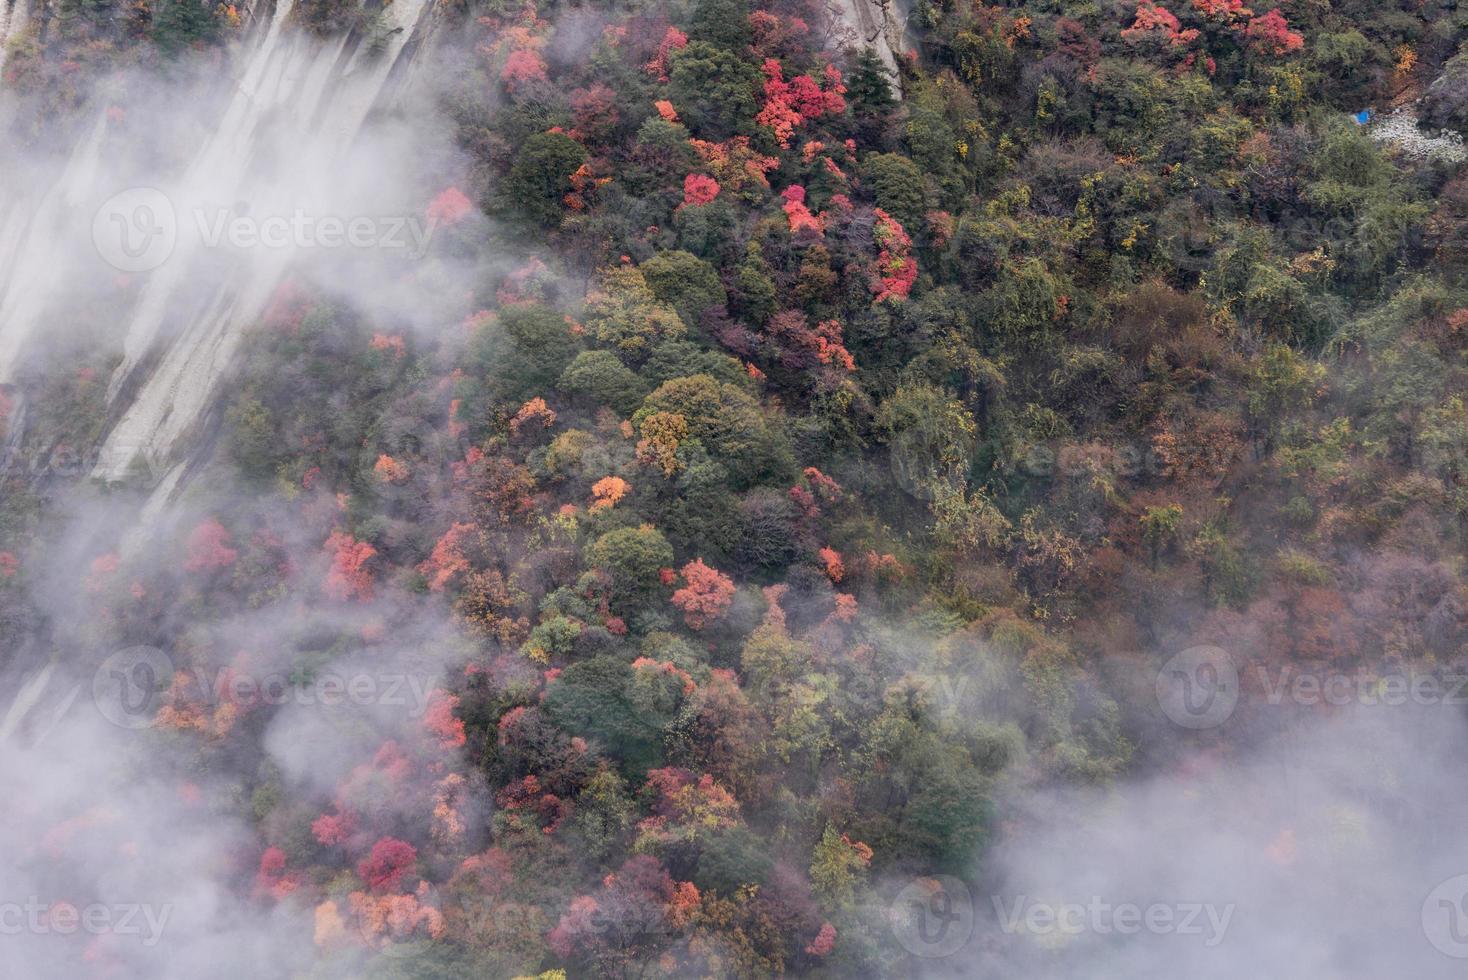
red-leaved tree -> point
(390, 859)
(209, 548)
(707, 595)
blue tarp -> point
(1363, 117)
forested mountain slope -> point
(761, 492)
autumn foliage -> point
(789, 104)
(798, 214)
(390, 860)
(1270, 33)
(608, 491)
(209, 548)
(448, 560)
(349, 576)
(896, 267)
(449, 207)
(705, 597)
(797, 463)
(699, 189)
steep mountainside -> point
(733, 489)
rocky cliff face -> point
(880, 24)
(13, 20)
(297, 101)
(316, 97)
(1445, 104)
(293, 107)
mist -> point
(128, 845)
(1321, 851)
